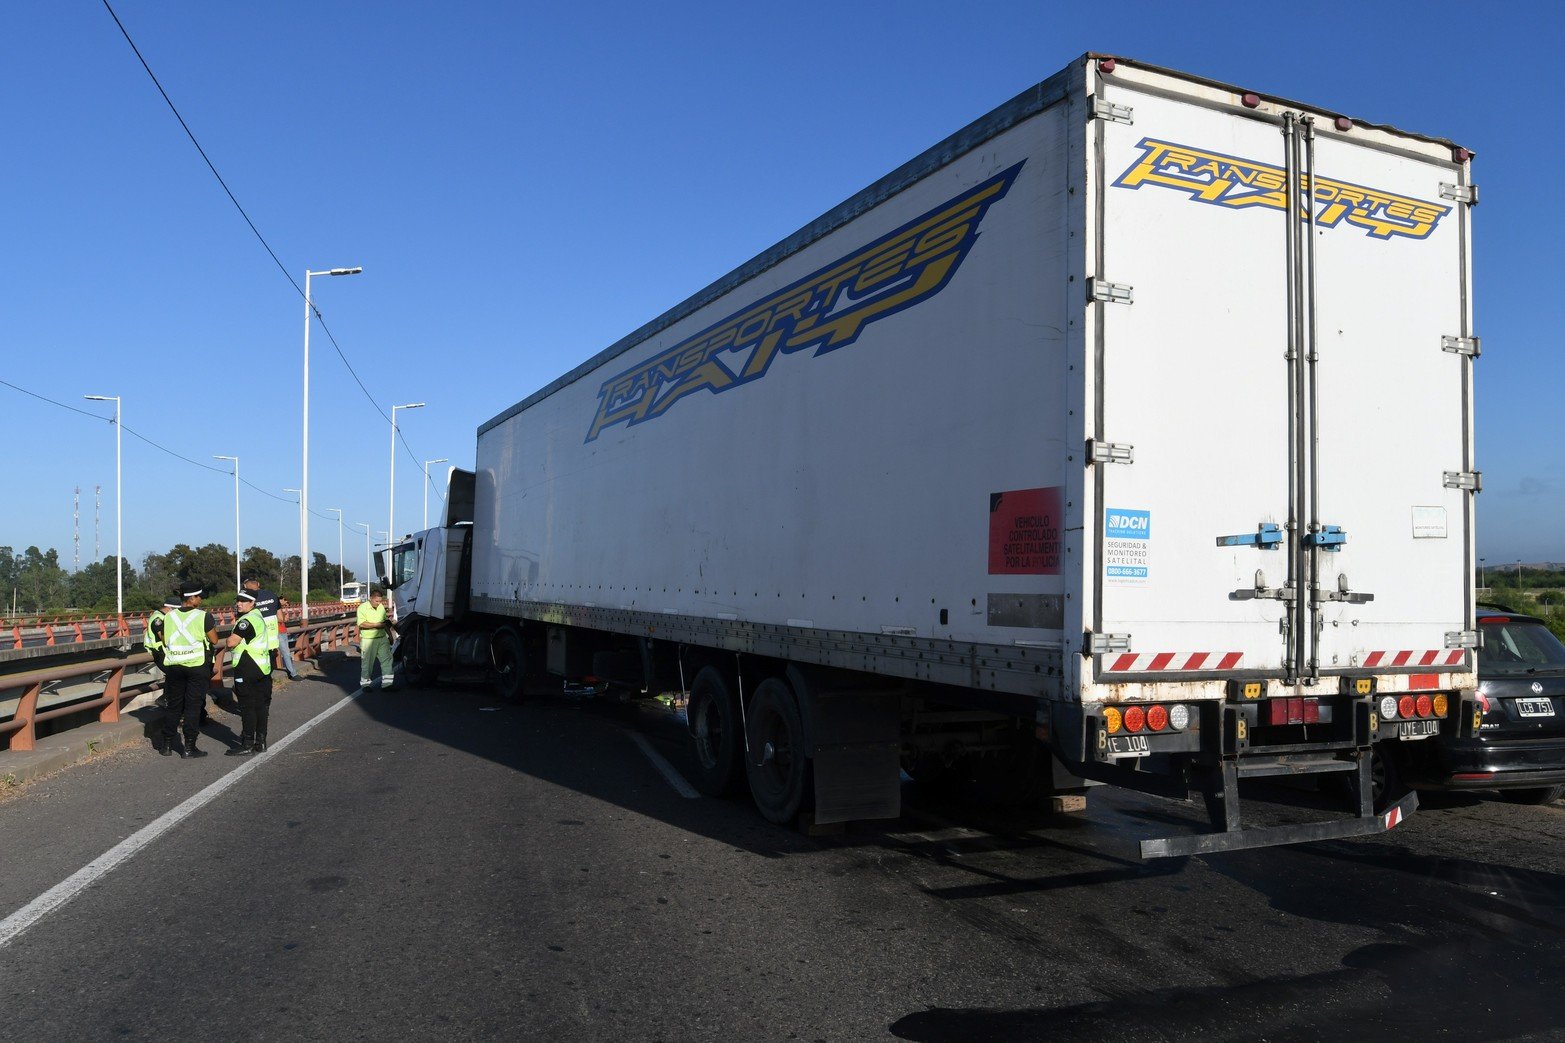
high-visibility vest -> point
(149, 638)
(184, 640)
(255, 648)
(368, 613)
(273, 638)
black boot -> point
(165, 745)
(260, 744)
(190, 748)
(244, 749)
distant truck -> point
(1059, 453)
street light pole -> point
(304, 482)
(298, 498)
(1482, 580)
(237, 546)
(369, 565)
(441, 460)
(119, 545)
(338, 512)
(391, 515)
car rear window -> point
(1517, 646)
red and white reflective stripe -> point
(1393, 818)
(1431, 657)
(1160, 662)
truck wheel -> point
(778, 769)
(1385, 778)
(1533, 794)
(714, 726)
(506, 653)
(416, 667)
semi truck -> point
(1123, 437)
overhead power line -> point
(257, 232)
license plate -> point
(1129, 746)
(1535, 707)
(1417, 729)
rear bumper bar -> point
(1270, 836)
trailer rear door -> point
(1263, 508)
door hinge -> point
(1463, 639)
(1468, 346)
(1110, 452)
(1097, 644)
(1266, 536)
(1109, 292)
(1103, 109)
(1460, 193)
(1472, 480)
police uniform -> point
(252, 663)
(152, 641)
(187, 668)
(266, 603)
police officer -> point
(152, 641)
(267, 603)
(189, 636)
(252, 663)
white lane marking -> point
(18, 922)
(667, 770)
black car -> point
(1520, 748)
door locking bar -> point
(1266, 536)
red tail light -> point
(1135, 719)
(1157, 718)
(1426, 706)
(1406, 707)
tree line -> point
(34, 582)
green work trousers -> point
(372, 651)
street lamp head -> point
(101, 398)
(345, 271)
(410, 405)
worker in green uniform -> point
(375, 632)
(252, 665)
(189, 636)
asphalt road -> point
(434, 865)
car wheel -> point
(1534, 794)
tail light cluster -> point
(1411, 707)
(1152, 718)
(1293, 711)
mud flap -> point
(858, 753)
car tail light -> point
(1426, 706)
(1112, 718)
(1484, 706)
(1157, 718)
(1442, 705)
(1135, 719)
(1406, 706)
(1312, 711)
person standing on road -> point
(189, 635)
(267, 603)
(152, 641)
(252, 662)
(374, 642)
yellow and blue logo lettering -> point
(826, 310)
(1222, 180)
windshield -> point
(404, 562)
(1516, 646)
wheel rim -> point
(772, 750)
(708, 733)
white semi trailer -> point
(1060, 451)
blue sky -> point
(525, 183)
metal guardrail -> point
(112, 679)
(36, 637)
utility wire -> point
(261, 238)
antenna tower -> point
(97, 510)
(76, 531)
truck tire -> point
(713, 715)
(776, 764)
(416, 667)
(509, 665)
(1533, 794)
(1385, 777)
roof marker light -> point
(1343, 124)
(1251, 100)
(1107, 65)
